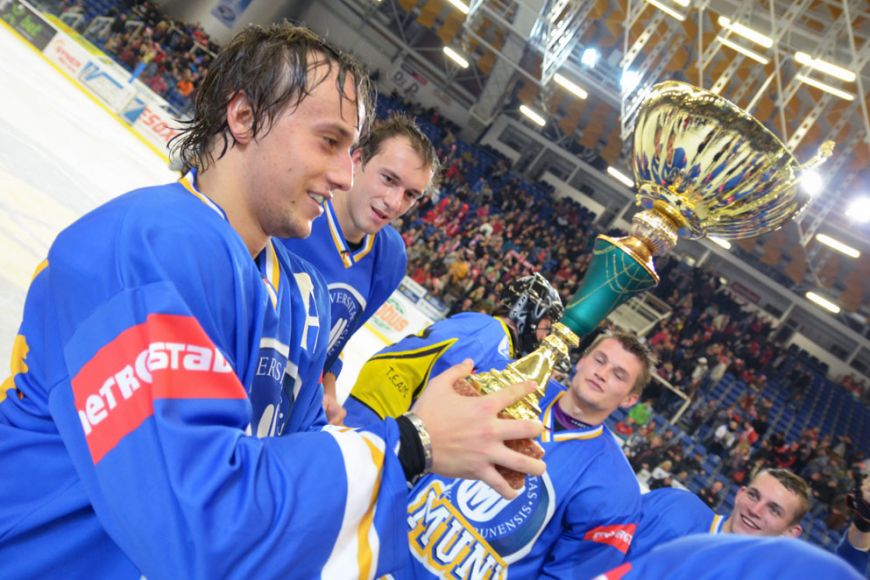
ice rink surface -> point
(61, 155)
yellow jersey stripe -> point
(368, 244)
(366, 534)
(337, 236)
(550, 435)
(507, 331)
(716, 525)
(42, 266)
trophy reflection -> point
(702, 166)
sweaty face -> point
(384, 188)
(765, 508)
(294, 167)
(605, 378)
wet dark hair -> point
(271, 66)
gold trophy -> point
(703, 167)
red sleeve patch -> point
(165, 357)
(618, 536)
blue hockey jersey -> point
(359, 281)
(729, 556)
(575, 521)
(391, 380)
(668, 514)
(164, 416)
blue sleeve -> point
(156, 419)
(857, 558)
(600, 522)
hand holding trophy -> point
(703, 167)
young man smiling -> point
(772, 504)
(574, 521)
(353, 246)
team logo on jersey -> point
(504, 530)
(346, 305)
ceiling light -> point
(812, 183)
(620, 176)
(456, 57)
(534, 116)
(825, 87)
(459, 5)
(859, 210)
(825, 67)
(745, 51)
(824, 303)
(570, 86)
(721, 242)
(590, 57)
(629, 80)
(745, 32)
(667, 10)
(838, 245)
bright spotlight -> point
(590, 57)
(859, 210)
(812, 183)
(629, 81)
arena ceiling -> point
(518, 50)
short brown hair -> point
(632, 344)
(795, 484)
(271, 66)
(396, 126)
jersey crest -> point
(496, 531)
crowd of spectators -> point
(167, 55)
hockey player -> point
(391, 380)
(772, 504)
(705, 557)
(360, 255)
(577, 519)
(167, 343)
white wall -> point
(836, 366)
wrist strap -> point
(423, 440)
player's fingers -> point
(518, 429)
(493, 479)
(511, 394)
(518, 461)
(455, 373)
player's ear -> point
(794, 531)
(629, 401)
(240, 118)
(357, 157)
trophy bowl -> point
(711, 166)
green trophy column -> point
(616, 274)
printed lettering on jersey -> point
(274, 388)
(509, 528)
(165, 357)
(445, 543)
(346, 305)
(619, 536)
